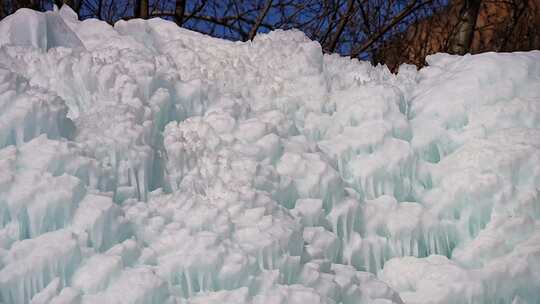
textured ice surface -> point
(144, 163)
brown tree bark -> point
(460, 42)
(141, 9)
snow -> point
(145, 163)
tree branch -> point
(259, 20)
(341, 26)
(413, 6)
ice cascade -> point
(145, 163)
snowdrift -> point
(144, 163)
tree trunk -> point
(141, 9)
(464, 32)
(99, 9)
(179, 12)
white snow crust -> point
(145, 163)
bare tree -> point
(259, 20)
(343, 20)
(463, 35)
(383, 31)
(410, 8)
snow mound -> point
(144, 163)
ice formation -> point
(144, 163)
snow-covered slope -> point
(144, 163)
